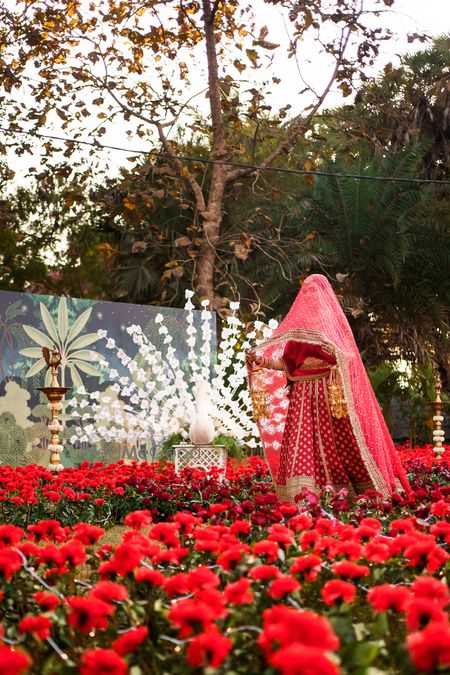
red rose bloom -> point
(109, 591)
(88, 534)
(388, 597)
(325, 525)
(139, 540)
(28, 549)
(40, 625)
(282, 586)
(266, 549)
(440, 509)
(430, 648)
(149, 576)
(191, 615)
(402, 525)
(171, 556)
(186, 520)
(263, 572)
(13, 661)
(352, 550)
(138, 520)
(366, 532)
(53, 496)
(309, 539)
(238, 593)
(73, 553)
(209, 649)
(202, 577)
(288, 509)
(377, 551)
(107, 570)
(240, 527)
(166, 533)
(10, 535)
(422, 611)
(50, 530)
(336, 591)
(10, 562)
(309, 565)
(214, 599)
(281, 534)
(350, 570)
(301, 522)
(230, 558)
(18, 501)
(130, 641)
(46, 601)
(372, 522)
(441, 530)
(207, 545)
(102, 662)
(49, 555)
(126, 557)
(177, 584)
(431, 588)
(88, 613)
(427, 554)
(283, 626)
(299, 659)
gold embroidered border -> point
(300, 378)
(362, 487)
(326, 468)
(297, 442)
(295, 484)
(315, 337)
(398, 485)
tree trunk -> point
(212, 217)
(205, 264)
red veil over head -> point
(316, 317)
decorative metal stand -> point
(438, 419)
(200, 457)
(55, 395)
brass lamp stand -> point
(55, 395)
(438, 419)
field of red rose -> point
(211, 576)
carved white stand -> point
(200, 457)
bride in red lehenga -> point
(325, 427)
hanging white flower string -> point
(156, 399)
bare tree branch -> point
(299, 123)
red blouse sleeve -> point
(296, 355)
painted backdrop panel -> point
(27, 322)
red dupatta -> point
(316, 317)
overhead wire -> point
(238, 165)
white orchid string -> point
(157, 397)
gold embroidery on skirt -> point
(295, 484)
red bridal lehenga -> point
(325, 427)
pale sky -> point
(406, 16)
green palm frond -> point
(68, 341)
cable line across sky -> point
(238, 165)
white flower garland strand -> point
(157, 398)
